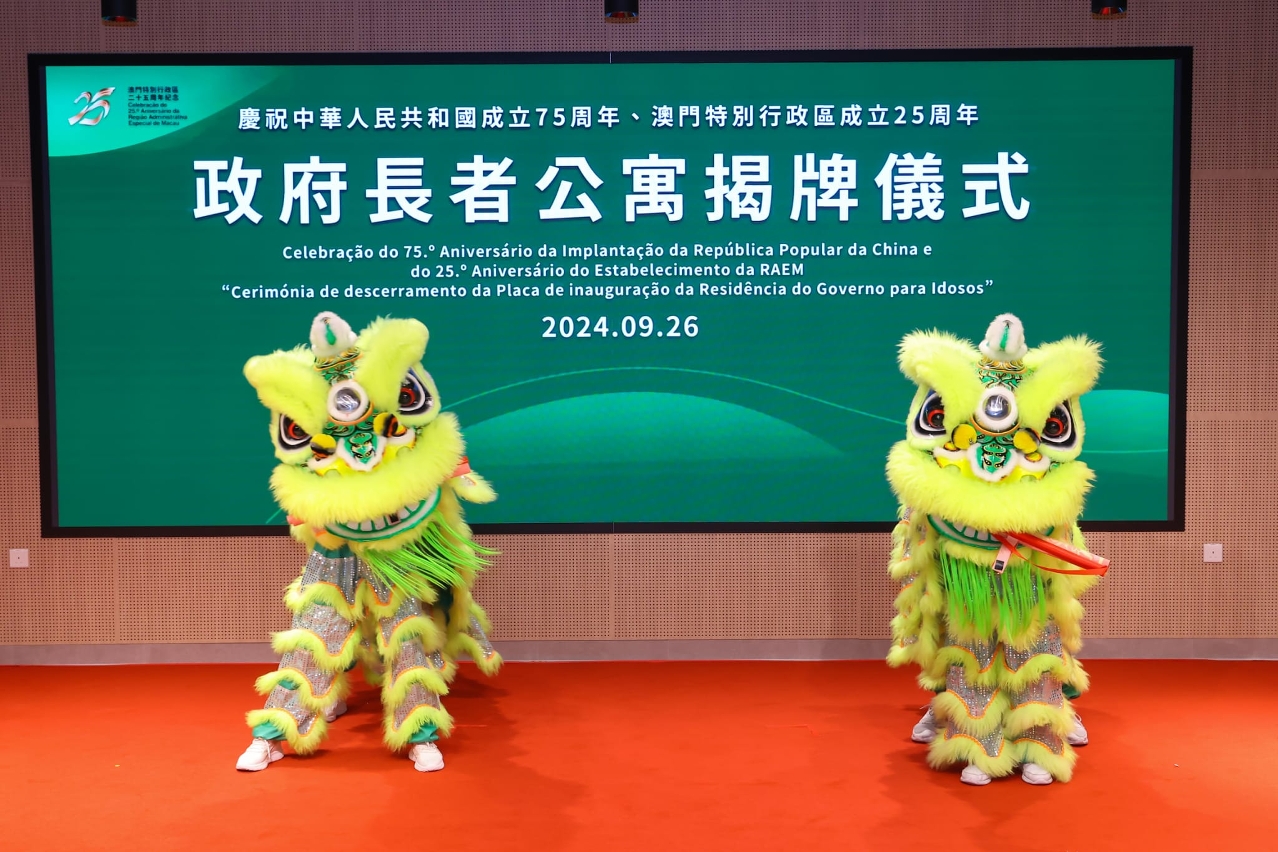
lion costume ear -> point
(286, 383)
(1058, 372)
(943, 363)
(390, 347)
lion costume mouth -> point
(387, 526)
(966, 535)
(971, 536)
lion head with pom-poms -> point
(994, 433)
(367, 458)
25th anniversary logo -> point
(95, 101)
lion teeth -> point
(385, 522)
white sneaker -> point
(426, 757)
(1078, 736)
(974, 776)
(259, 755)
(331, 713)
(1032, 773)
(925, 730)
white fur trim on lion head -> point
(1004, 340)
(330, 335)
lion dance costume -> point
(370, 474)
(988, 550)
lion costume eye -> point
(413, 396)
(931, 418)
(1059, 428)
(348, 402)
(290, 435)
(997, 410)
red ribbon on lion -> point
(1087, 563)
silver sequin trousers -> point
(343, 615)
(1005, 706)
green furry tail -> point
(974, 591)
(433, 561)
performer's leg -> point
(414, 682)
(316, 651)
(1078, 736)
(1040, 717)
(1041, 748)
(925, 730)
(339, 708)
(970, 714)
(309, 684)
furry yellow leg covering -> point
(416, 674)
(1003, 706)
(971, 715)
(1037, 724)
(304, 736)
(317, 649)
(468, 634)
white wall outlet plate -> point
(1213, 553)
(19, 558)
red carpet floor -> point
(604, 757)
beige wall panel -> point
(549, 587)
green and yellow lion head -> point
(364, 449)
(994, 432)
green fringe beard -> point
(430, 562)
(975, 592)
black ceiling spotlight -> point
(621, 11)
(120, 13)
(1107, 9)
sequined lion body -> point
(992, 449)
(370, 474)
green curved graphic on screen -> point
(711, 373)
(90, 109)
(1125, 422)
(1126, 446)
(640, 428)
